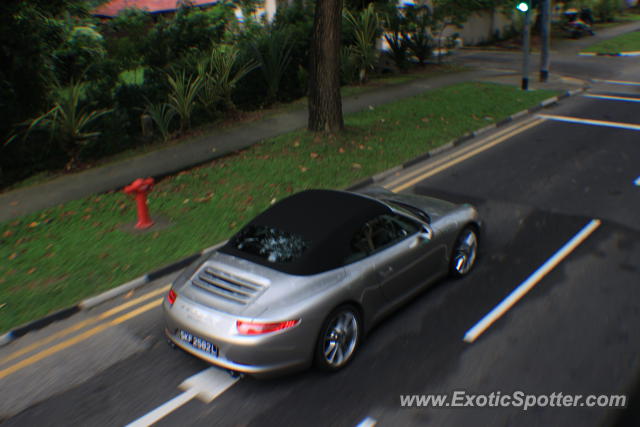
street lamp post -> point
(526, 40)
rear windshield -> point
(270, 243)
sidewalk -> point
(218, 143)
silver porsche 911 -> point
(305, 280)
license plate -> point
(197, 342)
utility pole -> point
(546, 39)
(526, 42)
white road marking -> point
(614, 98)
(567, 119)
(637, 181)
(205, 385)
(473, 333)
(367, 422)
(616, 82)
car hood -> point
(240, 287)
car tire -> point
(339, 339)
(465, 252)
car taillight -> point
(171, 296)
(258, 328)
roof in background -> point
(112, 8)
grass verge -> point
(629, 42)
(59, 256)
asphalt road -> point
(575, 332)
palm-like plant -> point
(69, 123)
(182, 96)
(273, 53)
(220, 73)
(418, 38)
(366, 28)
(162, 115)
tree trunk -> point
(325, 102)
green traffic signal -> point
(523, 6)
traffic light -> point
(523, 6)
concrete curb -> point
(149, 277)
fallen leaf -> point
(232, 225)
(425, 119)
(356, 165)
(86, 217)
(296, 143)
(303, 168)
(7, 233)
(128, 294)
(32, 270)
(155, 235)
(273, 201)
(103, 255)
(13, 255)
(314, 155)
(34, 224)
(340, 150)
(361, 146)
(14, 203)
(185, 201)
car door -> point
(404, 260)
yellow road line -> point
(433, 169)
(83, 324)
(78, 338)
(630, 126)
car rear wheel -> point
(464, 253)
(339, 339)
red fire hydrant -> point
(139, 189)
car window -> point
(270, 243)
(379, 233)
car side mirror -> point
(424, 236)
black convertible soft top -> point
(326, 220)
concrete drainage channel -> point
(178, 265)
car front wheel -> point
(464, 253)
(339, 339)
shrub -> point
(418, 37)
(162, 115)
(69, 122)
(365, 27)
(272, 50)
(220, 72)
(191, 32)
(296, 19)
(125, 37)
(394, 23)
(605, 10)
(82, 48)
(183, 92)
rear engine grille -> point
(226, 286)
